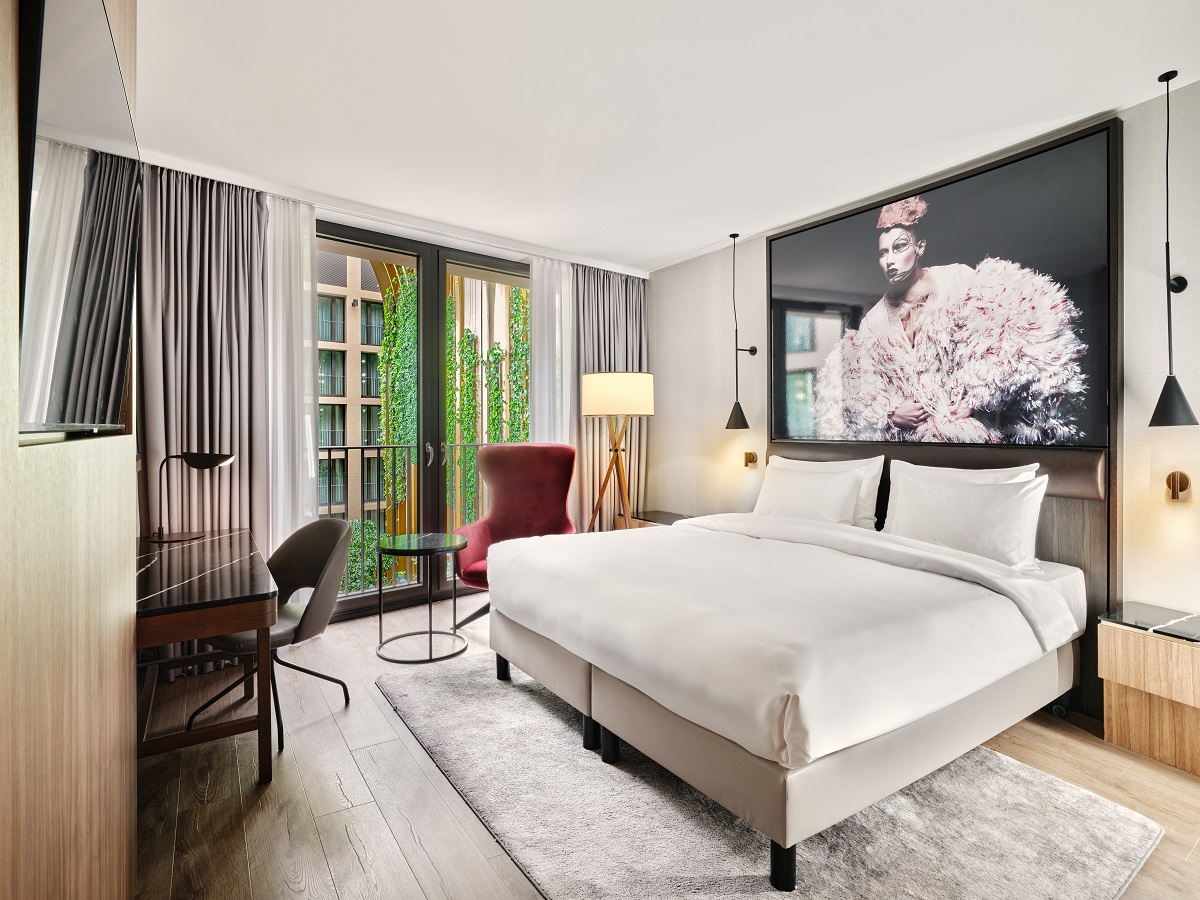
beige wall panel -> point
(67, 539)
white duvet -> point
(794, 639)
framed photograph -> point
(976, 310)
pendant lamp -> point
(1172, 407)
(737, 418)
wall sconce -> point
(751, 459)
(1178, 484)
(737, 418)
(1172, 407)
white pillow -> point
(998, 521)
(820, 496)
(868, 491)
(968, 476)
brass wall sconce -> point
(751, 459)
(1179, 484)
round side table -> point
(427, 546)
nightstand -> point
(652, 517)
(1149, 658)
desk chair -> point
(312, 557)
(529, 485)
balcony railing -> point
(332, 494)
(331, 330)
(333, 437)
(331, 385)
(372, 437)
(370, 386)
(372, 334)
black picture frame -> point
(1102, 380)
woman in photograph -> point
(953, 353)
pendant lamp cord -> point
(1167, 194)
(736, 345)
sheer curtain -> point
(58, 177)
(291, 368)
(611, 311)
(553, 365)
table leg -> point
(454, 593)
(379, 588)
(265, 753)
(429, 599)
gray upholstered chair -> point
(313, 557)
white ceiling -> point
(629, 132)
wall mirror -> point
(83, 200)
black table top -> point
(420, 544)
(220, 569)
(1157, 619)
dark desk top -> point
(660, 517)
(219, 569)
(1157, 619)
(420, 544)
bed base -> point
(785, 805)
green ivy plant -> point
(518, 364)
(494, 377)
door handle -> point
(428, 454)
(443, 454)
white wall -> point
(1161, 539)
(695, 466)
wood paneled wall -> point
(67, 542)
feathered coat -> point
(999, 336)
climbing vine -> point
(468, 421)
(494, 378)
(518, 364)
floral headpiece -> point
(907, 213)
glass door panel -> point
(368, 444)
(486, 377)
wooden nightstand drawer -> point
(1151, 694)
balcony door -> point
(423, 357)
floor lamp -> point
(616, 395)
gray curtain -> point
(202, 359)
(93, 339)
(611, 311)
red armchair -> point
(528, 485)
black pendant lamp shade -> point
(737, 418)
(1172, 407)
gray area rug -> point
(985, 826)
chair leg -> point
(248, 689)
(478, 614)
(224, 691)
(284, 662)
(275, 694)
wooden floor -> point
(358, 810)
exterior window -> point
(331, 375)
(372, 484)
(799, 333)
(372, 432)
(370, 375)
(372, 323)
(331, 477)
(331, 318)
(332, 424)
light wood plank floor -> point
(357, 809)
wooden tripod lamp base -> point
(616, 395)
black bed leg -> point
(610, 746)
(502, 672)
(783, 867)
(591, 734)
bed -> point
(794, 672)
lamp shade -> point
(737, 418)
(617, 394)
(206, 460)
(1172, 407)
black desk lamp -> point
(194, 460)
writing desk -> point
(219, 584)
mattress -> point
(793, 639)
